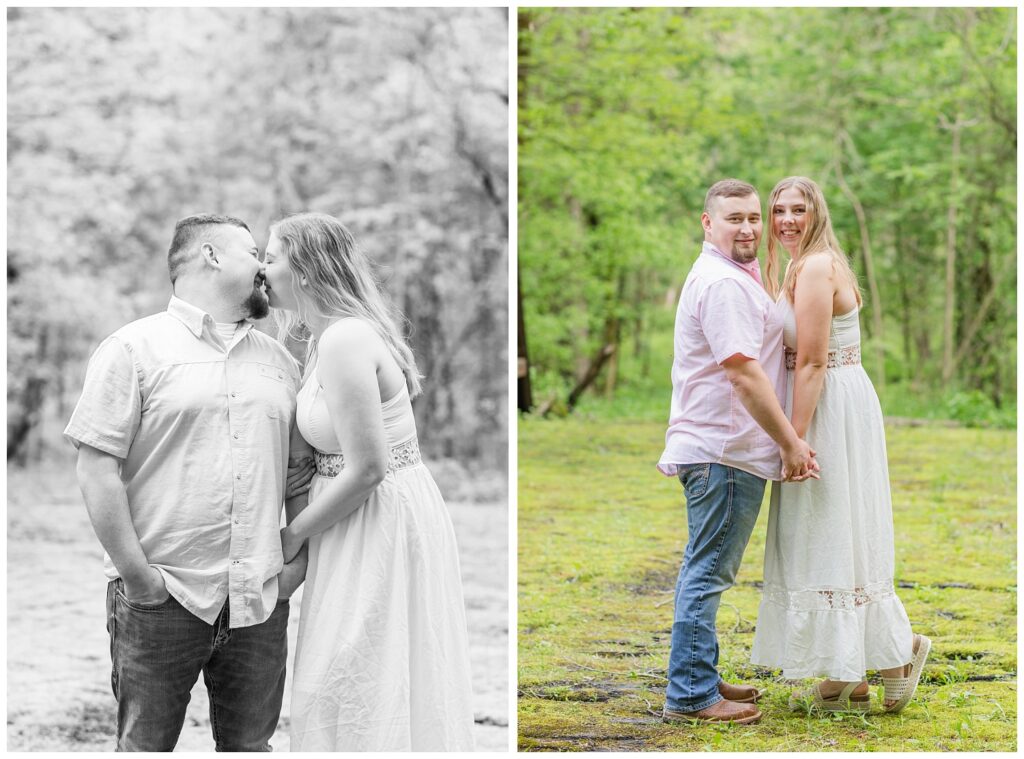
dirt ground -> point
(58, 660)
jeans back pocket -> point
(694, 479)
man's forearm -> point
(107, 503)
(758, 397)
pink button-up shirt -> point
(723, 310)
(203, 431)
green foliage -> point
(627, 116)
(975, 409)
(601, 535)
(645, 387)
(121, 121)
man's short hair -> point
(728, 188)
(186, 232)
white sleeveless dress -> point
(829, 607)
(382, 658)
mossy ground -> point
(601, 534)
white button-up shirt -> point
(203, 431)
(723, 310)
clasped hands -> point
(300, 473)
(799, 463)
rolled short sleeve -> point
(732, 320)
(108, 413)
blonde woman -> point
(829, 606)
(382, 659)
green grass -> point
(601, 534)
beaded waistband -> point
(848, 356)
(402, 456)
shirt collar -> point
(753, 268)
(195, 318)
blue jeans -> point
(157, 653)
(722, 504)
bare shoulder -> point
(349, 348)
(348, 335)
(816, 279)
(817, 266)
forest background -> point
(122, 121)
(906, 117)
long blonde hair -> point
(818, 237)
(340, 283)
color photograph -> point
(766, 379)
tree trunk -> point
(593, 369)
(869, 269)
(906, 309)
(948, 336)
(613, 336)
(524, 394)
(20, 427)
(971, 330)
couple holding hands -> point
(764, 371)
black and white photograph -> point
(257, 379)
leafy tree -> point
(904, 116)
(121, 121)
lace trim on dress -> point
(401, 456)
(848, 356)
(824, 599)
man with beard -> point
(727, 435)
(183, 434)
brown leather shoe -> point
(722, 711)
(740, 694)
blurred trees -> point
(121, 121)
(904, 116)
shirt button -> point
(236, 436)
(235, 561)
(238, 476)
(234, 395)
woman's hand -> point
(300, 473)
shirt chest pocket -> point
(273, 390)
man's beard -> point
(256, 306)
(741, 256)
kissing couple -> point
(194, 428)
(745, 350)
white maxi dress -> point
(382, 658)
(829, 606)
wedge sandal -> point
(844, 701)
(901, 689)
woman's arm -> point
(349, 355)
(815, 289)
(300, 472)
(294, 571)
